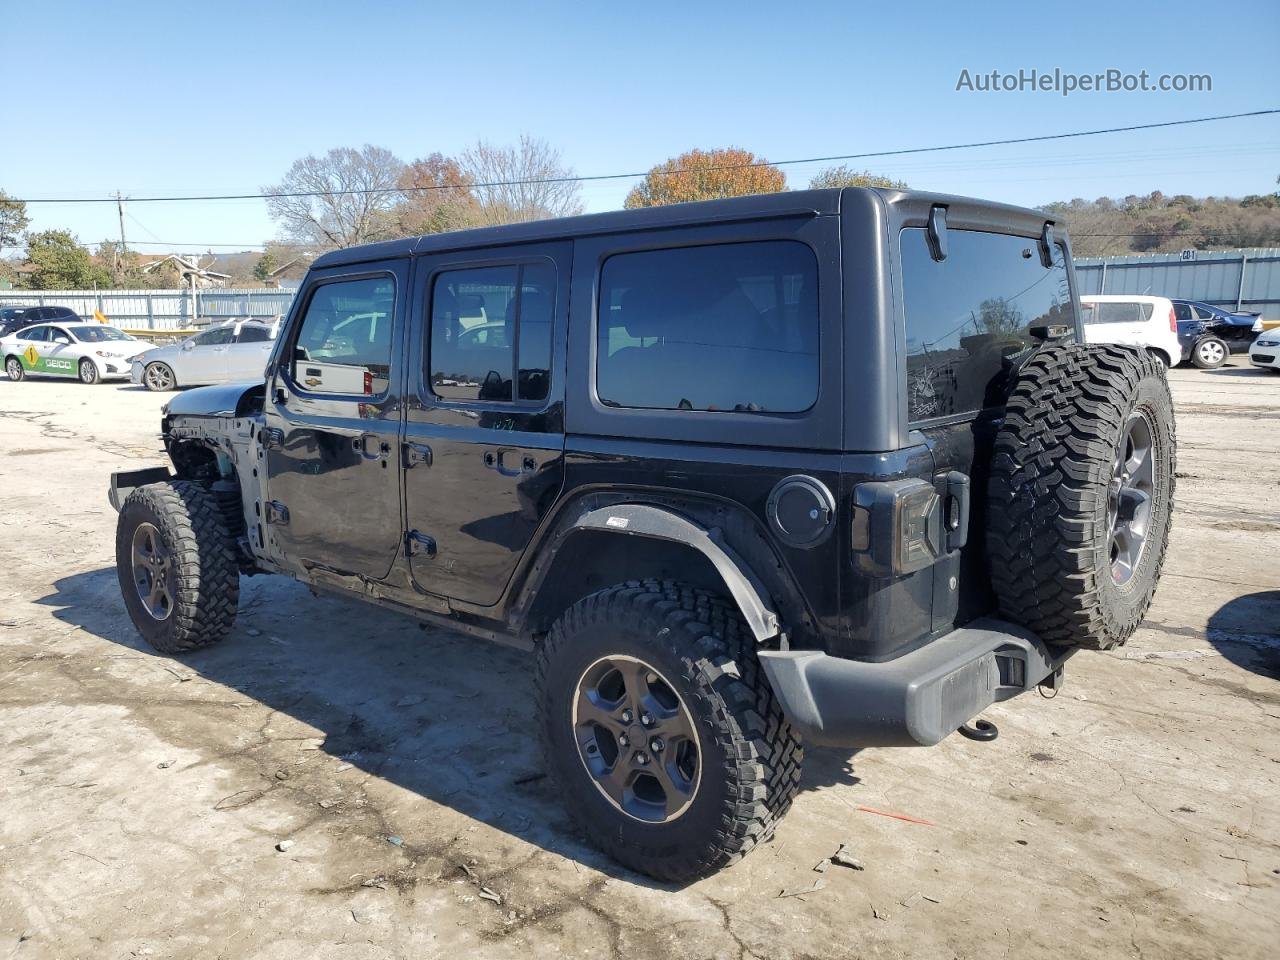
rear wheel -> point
(176, 565)
(1081, 493)
(13, 367)
(1209, 353)
(661, 731)
(88, 371)
(158, 376)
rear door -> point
(249, 352)
(332, 424)
(484, 432)
(33, 344)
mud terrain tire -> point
(173, 533)
(1078, 514)
(749, 756)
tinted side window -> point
(1128, 311)
(344, 344)
(1182, 311)
(731, 327)
(38, 334)
(490, 329)
(214, 338)
(253, 333)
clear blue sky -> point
(135, 97)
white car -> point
(90, 352)
(236, 350)
(1265, 350)
(1133, 320)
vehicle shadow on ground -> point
(436, 713)
(1233, 631)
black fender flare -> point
(647, 520)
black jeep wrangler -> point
(825, 467)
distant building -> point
(193, 275)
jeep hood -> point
(220, 400)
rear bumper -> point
(915, 699)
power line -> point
(629, 176)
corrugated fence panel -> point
(1248, 279)
(158, 309)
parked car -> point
(26, 316)
(11, 320)
(235, 350)
(1136, 321)
(1265, 350)
(1209, 334)
(89, 351)
(744, 474)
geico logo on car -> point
(59, 365)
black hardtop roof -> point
(761, 206)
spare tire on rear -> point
(1081, 493)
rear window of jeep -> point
(969, 314)
(727, 327)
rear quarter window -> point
(968, 317)
(1123, 311)
(716, 328)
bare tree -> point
(348, 197)
(520, 183)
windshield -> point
(98, 334)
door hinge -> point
(419, 544)
(416, 453)
(277, 513)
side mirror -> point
(61, 340)
(188, 345)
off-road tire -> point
(1215, 359)
(206, 577)
(88, 371)
(13, 368)
(750, 756)
(1048, 528)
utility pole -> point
(119, 265)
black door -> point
(333, 422)
(484, 431)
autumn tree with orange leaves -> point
(706, 175)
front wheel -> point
(661, 731)
(13, 367)
(1209, 353)
(88, 371)
(159, 377)
(177, 567)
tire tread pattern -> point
(207, 576)
(763, 752)
(1047, 492)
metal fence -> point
(159, 309)
(1236, 279)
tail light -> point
(1173, 322)
(897, 526)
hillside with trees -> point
(1156, 223)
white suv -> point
(1134, 320)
